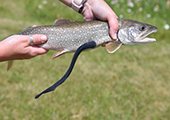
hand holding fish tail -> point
(88, 45)
(20, 47)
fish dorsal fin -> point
(113, 46)
(63, 21)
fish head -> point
(135, 33)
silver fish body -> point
(71, 35)
(67, 35)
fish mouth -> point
(143, 39)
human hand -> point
(99, 9)
(20, 47)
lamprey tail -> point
(88, 45)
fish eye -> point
(142, 27)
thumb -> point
(37, 39)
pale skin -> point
(19, 47)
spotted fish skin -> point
(68, 35)
(71, 35)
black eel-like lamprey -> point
(85, 46)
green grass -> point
(131, 84)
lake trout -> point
(72, 36)
(67, 35)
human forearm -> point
(3, 56)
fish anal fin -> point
(113, 46)
(10, 62)
(61, 52)
(63, 21)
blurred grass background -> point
(131, 84)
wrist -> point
(3, 54)
(78, 5)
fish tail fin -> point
(10, 63)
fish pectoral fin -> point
(10, 62)
(113, 46)
(61, 21)
(61, 52)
